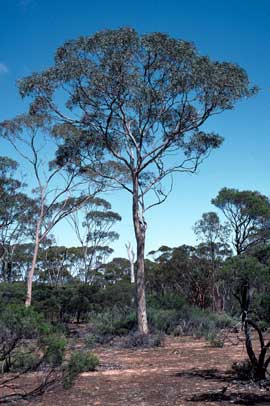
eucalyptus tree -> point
(214, 246)
(182, 271)
(93, 228)
(16, 216)
(115, 271)
(248, 214)
(57, 192)
(54, 265)
(133, 114)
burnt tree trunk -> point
(258, 363)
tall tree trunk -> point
(28, 299)
(139, 228)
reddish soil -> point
(168, 375)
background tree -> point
(182, 271)
(133, 112)
(116, 270)
(16, 217)
(214, 246)
(57, 192)
(54, 265)
(248, 214)
(95, 234)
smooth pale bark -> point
(28, 299)
(131, 257)
(139, 228)
(38, 238)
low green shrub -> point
(90, 341)
(55, 349)
(164, 320)
(79, 362)
(215, 339)
(27, 340)
(24, 361)
(188, 321)
(114, 322)
(12, 293)
(137, 340)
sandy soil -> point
(168, 375)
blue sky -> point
(230, 30)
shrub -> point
(91, 341)
(12, 293)
(164, 320)
(78, 363)
(215, 339)
(116, 321)
(187, 321)
(55, 349)
(137, 340)
(26, 340)
(24, 361)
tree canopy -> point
(248, 213)
(131, 113)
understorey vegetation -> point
(28, 344)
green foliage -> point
(170, 301)
(136, 340)
(261, 306)
(163, 319)
(238, 271)
(123, 86)
(12, 293)
(215, 339)
(55, 349)
(188, 321)
(27, 340)
(118, 294)
(112, 322)
(244, 268)
(90, 341)
(183, 271)
(79, 305)
(79, 362)
(248, 213)
(17, 214)
(24, 361)
(210, 230)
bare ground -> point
(168, 375)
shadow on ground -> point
(226, 393)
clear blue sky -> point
(230, 30)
